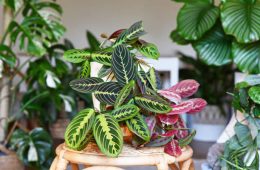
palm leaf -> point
(86, 85)
(107, 92)
(124, 93)
(125, 112)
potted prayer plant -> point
(127, 89)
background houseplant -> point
(127, 89)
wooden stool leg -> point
(162, 166)
(54, 164)
(187, 165)
(173, 167)
(62, 163)
(74, 166)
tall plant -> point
(221, 33)
(128, 90)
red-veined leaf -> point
(154, 135)
(198, 105)
(181, 108)
(150, 121)
(168, 119)
(116, 34)
(185, 88)
(172, 148)
(173, 97)
(161, 141)
(182, 131)
(170, 133)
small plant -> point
(128, 91)
(241, 150)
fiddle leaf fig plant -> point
(221, 33)
(128, 91)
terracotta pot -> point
(10, 162)
(127, 134)
(59, 127)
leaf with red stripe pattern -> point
(173, 148)
(168, 119)
(182, 131)
(185, 88)
(150, 121)
(198, 105)
(181, 108)
(169, 133)
(173, 97)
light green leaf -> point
(152, 78)
(123, 65)
(187, 140)
(76, 56)
(108, 135)
(124, 93)
(247, 57)
(153, 104)
(102, 57)
(138, 126)
(195, 18)
(125, 112)
(85, 70)
(149, 50)
(79, 129)
(107, 92)
(254, 94)
(241, 19)
(86, 85)
(215, 47)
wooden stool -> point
(147, 156)
(103, 168)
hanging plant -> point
(128, 91)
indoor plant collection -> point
(129, 95)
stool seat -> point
(130, 156)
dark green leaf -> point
(107, 92)
(104, 71)
(92, 41)
(87, 85)
(76, 56)
(124, 93)
(7, 55)
(125, 112)
(187, 140)
(175, 36)
(102, 57)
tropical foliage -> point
(221, 34)
(241, 150)
(128, 91)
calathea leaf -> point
(195, 18)
(85, 69)
(149, 50)
(254, 94)
(103, 57)
(153, 104)
(151, 122)
(175, 36)
(135, 31)
(187, 140)
(246, 57)
(152, 79)
(107, 92)
(124, 93)
(160, 141)
(168, 119)
(125, 112)
(198, 105)
(170, 133)
(172, 96)
(240, 22)
(181, 108)
(172, 148)
(215, 47)
(76, 56)
(108, 135)
(123, 65)
(138, 126)
(116, 34)
(104, 71)
(79, 128)
(86, 85)
(180, 125)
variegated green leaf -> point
(86, 85)
(107, 92)
(85, 69)
(102, 57)
(124, 93)
(108, 135)
(123, 65)
(254, 93)
(138, 126)
(76, 56)
(135, 31)
(125, 112)
(79, 130)
(152, 78)
(153, 104)
(149, 50)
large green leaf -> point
(7, 55)
(133, 32)
(102, 57)
(215, 47)
(241, 19)
(254, 93)
(138, 126)
(78, 132)
(195, 18)
(86, 85)
(247, 56)
(125, 112)
(85, 70)
(175, 36)
(153, 104)
(76, 56)
(124, 93)
(123, 65)
(107, 92)
(108, 135)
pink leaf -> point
(150, 121)
(172, 148)
(154, 135)
(198, 105)
(181, 108)
(180, 126)
(168, 119)
(115, 34)
(170, 133)
(173, 97)
(185, 88)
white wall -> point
(106, 16)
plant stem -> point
(232, 164)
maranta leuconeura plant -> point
(129, 92)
